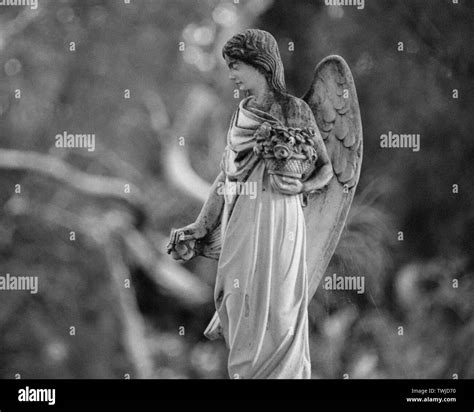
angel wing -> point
(333, 99)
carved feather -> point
(333, 100)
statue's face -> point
(246, 77)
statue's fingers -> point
(170, 246)
(278, 184)
(179, 236)
(285, 186)
(176, 236)
(290, 180)
(173, 236)
(292, 190)
(187, 237)
(285, 190)
(172, 239)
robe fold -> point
(261, 292)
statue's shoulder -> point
(295, 110)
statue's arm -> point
(182, 244)
(212, 209)
(324, 171)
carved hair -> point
(258, 49)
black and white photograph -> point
(236, 199)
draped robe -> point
(261, 292)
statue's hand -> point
(183, 241)
(287, 185)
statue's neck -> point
(262, 101)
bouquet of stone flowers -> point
(287, 151)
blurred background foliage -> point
(154, 328)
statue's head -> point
(259, 50)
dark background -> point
(154, 327)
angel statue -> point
(304, 158)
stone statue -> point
(303, 156)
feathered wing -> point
(333, 99)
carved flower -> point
(264, 131)
(282, 151)
(257, 150)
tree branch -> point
(57, 169)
